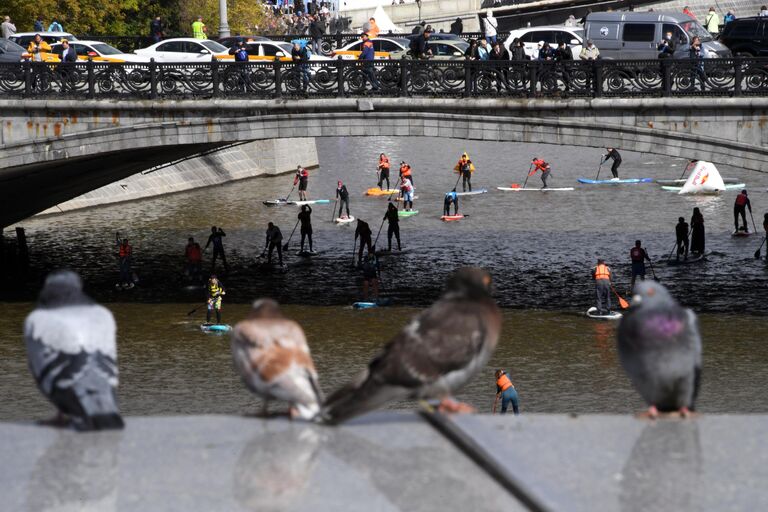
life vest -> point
(540, 164)
(602, 272)
(503, 382)
(125, 250)
(637, 254)
(214, 289)
(384, 162)
(193, 253)
(405, 170)
(741, 199)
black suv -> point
(746, 37)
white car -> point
(273, 50)
(99, 52)
(382, 47)
(24, 38)
(185, 49)
(572, 36)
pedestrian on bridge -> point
(199, 30)
(367, 55)
(8, 28)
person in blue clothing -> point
(300, 55)
(367, 55)
(55, 26)
(215, 238)
(506, 391)
(451, 197)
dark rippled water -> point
(539, 248)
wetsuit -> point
(451, 197)
(697, 233)
(383, 171)
(306, 226)
(465, 168)
(394, 226)
(681, 231)
(302, 177)
(508, 393)
(638, 257)
(740, 208)
(343, 195)
(215, 291)
(616, 161)
(274, 239)
(218, 247)
(363, 231)
(125, 254)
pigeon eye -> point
(651, 292)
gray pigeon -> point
(434, 355)
(72, 353)
(660, 349)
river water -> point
(539, 248)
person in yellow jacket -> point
(601, 273)
(37, 47)
(505, 391)
(465, 168)
(199, 29)
(215, 292)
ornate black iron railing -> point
(388, 78)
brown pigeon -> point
(272, 356)
(434, 355)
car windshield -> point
(461, 45)
(105, 49)
(694, 29)
(285, 48)
(214, 46)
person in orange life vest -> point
(125, 255)
(302, 176)
(740, 208)
(465, 167)
(602, 276)
(405, 171)
(507, 392)
(544, 167)
(383, 170)
(638, 256)
(194, 255)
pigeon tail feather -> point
(354, 400)
(111, 421)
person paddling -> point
(601, 273)
(451, 197)
(506, 391)
(194, 256)
(125, 259)
(540, 165)
(363, 230)
(740, 208)
(218, 247)
(383, 170)
(215, 293)
(406, 190)
(302, 178)
(406, 172)
(697, 232)
(614, 154)
(465, 168)
(394, 226)
(342, 194)
(274, 240)
(305, 217)
(681, 232)
(638, 256)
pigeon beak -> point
(636, 299)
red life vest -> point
(384, 162)
(741, 199)
(125, 250)
(194, 254)
(637, 254)
(540, 164)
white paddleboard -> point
(314, 201)
(344, 220)
(473, 192)
(592, 313)
(548, 189)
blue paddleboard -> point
(367, 305)
(614, 182)
(215, 327)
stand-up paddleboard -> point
(216, 328)
(381, 302)
(307, 254)
(314, 201)
(384, 252)
(376, 191)
(613, 315)
(681, 182)
(403, 199)
(614, 181)
(344, 220)
(450, 218)
(741, 234)
(548, 189)
(692, 258)
(121, 286)
(728, 186)
(275, 202)
(407, 213)
(473, 192)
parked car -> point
(98, 52)
(382, 47)
(24, 38)
(636, 35)
(437, 36)
(268, 50)
(11, 52)
(553, 34)
(746, 37)
(229, 42)
(445, 49)
(185, 49)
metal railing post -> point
(666, 74)
(597, 74)
(278, 78)
(339, 77)
(91, 79)
(152, 79)
(467, 78)
(403, 77)
(737, 75)
(532, 78)
(27, 79)
(215, 75)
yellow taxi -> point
(98, 52)
(382, 48)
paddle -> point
(622, 303)
(198, 307)
(457, 180)
(354, 245)
(599, 167)
(686, 168)
(753, 220)
(528, 175)
(333, 210)
(495, 402)
(285, 246)
(757, 252)
(289, 193)
(650, 263)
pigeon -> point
(659, 347)
(272, 356)
(434, 355)
(72, 353)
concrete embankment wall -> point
(248, 160)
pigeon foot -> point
(652, 413)
(452, 406)
(58, 421)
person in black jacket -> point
(156, 29)
(394, 226)
(363, 231)
(419, 48)
(563, 54)
(300, 55)
(66, 68)
(518, 50)
(499, 53)
(316, 31)
(342, 194)
(457, 27)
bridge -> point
(56, 145)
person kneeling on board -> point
(681, 232)
(274, 240)
(544, 167)
(394, 226)
(451, 197)
(602, 276)
(505, 391)
(638, 256)
(305, 217)
(406, 189)
(215, 292)
(740, 208)
(342, 194)
(371, 272)
(363, 230)
(612, 153)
